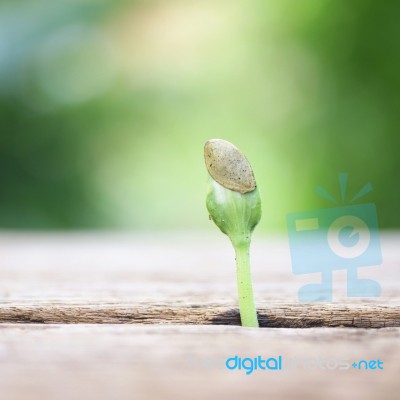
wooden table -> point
(154, 316)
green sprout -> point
(234, 204)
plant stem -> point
(248, 314)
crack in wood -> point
(277, 315)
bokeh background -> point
(105, 107)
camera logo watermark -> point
(344, 237)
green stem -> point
(248, 314)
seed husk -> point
(228, 166)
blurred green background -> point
(105, 107)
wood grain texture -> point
(274, 316)
(148, 317)
(151, 362)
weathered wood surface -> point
(113, 316)
(125, 362)
(274, 315)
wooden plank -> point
(116, 316)
(151, 362)
(189, 279)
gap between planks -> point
(275, 315)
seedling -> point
(234, 204)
